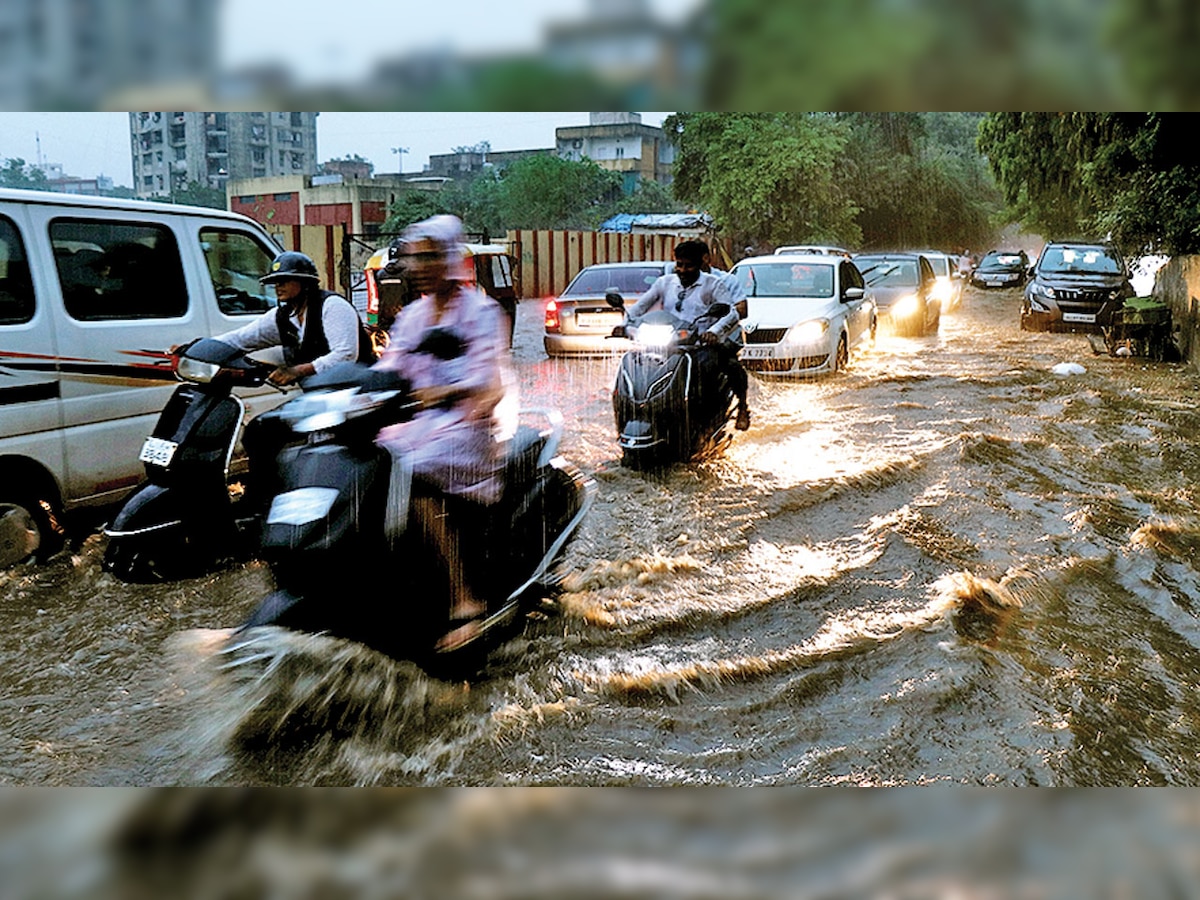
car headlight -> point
(1035, 306)
(1043, 289)
(905, 306)
(656, 335)
(942, 291)
(194, 370)
(808, 332)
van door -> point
(30, 409)
(122, 301)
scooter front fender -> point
(152, 508)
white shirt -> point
(688, 303)
(339, 318)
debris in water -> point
(1068, 368)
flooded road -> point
(948, 564)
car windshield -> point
(941, 265)
(785, 279)
(888, 272)
(1096, 260)
(1000, 260)
(626, 279)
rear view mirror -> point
(614, 299)
(852, 293)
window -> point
(16, 286)
(282, 198)
(118, 270)
(235, 263)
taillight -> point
(372, 298)
(551, 315)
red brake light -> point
(551, 315)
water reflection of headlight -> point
(905, 306)
(655, 335)
(807, 332)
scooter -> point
(344, 560)
(181, 520)
(667, 407)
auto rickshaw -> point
(491, 267)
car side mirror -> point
(614, 299)
(851, 294)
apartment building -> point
(75, 54)
(620, 142)
(171, 149)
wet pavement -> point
(947, 564)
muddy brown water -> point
(948, 564)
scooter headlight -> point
(904, 307)
(194, 370)
(808, 332)
(301, 506)
(657, 335)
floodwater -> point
(948, 564)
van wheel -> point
(29, 526)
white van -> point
(93, 292)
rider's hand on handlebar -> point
(709, 337)
(285, 375)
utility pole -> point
(400, 151)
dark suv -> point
(1075, 287)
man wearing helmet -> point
(315, 328)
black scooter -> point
(669, 408)
(181, 521)
(345, 561)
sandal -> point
(743, 419)
(462, 632)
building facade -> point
(172, 149)
(469, 163)
(76, 54)
(620, 142)
(361, 205)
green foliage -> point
(773, 177)
(413, 206)
(197, 194)
(649, 197)
(862, 179)
(1132, 175)
(548, 192)
(16, 173)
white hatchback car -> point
(807, 313)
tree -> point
(766, 177)
(197, 194)
(545, 191)
(413, 206)
(1132, 175)
(16, 173)
(650, 197)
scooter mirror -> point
(614, 299)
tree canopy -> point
(1133, 176)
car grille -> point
(785, 365)
(766, 336)
(1080, 301)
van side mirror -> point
(852, 293)
(614, 299)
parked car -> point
(793, 249)
(93, 293)
(1075, 287)
(807, 313)
(1001, 269)
(949, 280)
(579, 322)
(905, 289)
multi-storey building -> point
(75, 54)
(172, 149)
(620, 142)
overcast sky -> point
(89, 144)
(322, 45)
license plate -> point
(1079, 317)
(596, 320)
(758, 352)
(157, 452)
(995, 280)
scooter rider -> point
(731, 292)
(687, 294)
(316, 329)
(451, 344)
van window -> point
(235, 263)
(118, 270)
(16, 288)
